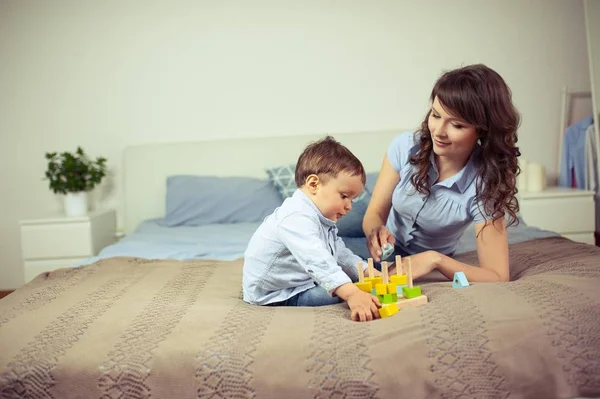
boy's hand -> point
(364, 306)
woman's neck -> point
(448, 167)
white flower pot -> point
(76, 204)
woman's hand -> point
(421, 263)
(378, 238)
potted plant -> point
(74, 175)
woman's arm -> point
(379, 208)
(492, 251)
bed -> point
(159, 314)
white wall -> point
(111, 73)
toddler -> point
(295, 257)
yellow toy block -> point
(374, 280)
(388, 310)
(391, 288)
(380, 289)
(399, 280)
(366, 287)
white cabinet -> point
(569, 212)
(54, 242)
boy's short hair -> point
(327, 158)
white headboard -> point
(146, 167)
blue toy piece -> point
(388, 249)
(460, 280)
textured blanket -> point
(132, 328)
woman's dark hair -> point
(479, 96)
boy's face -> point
(334, 195)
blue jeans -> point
(316, 296)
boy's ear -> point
(312, 183)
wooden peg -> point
(409, 273)
(398, 265)
(361, 275)
(371, 272)
(384, 272)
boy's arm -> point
(300, 233)
(348, 260)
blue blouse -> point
(435, 222)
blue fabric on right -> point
(573, 154)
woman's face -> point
(452, 137)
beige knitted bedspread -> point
(131, 328)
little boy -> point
(295, 257)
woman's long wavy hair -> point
(479, 96)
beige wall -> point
(110, 73)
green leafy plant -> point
(74, 173)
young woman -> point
(459, 168)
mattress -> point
(131, 327)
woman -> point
(459, 168)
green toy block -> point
(411, 292)
(389, 298)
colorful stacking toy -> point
(394, 292)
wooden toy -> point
(388, 310)
(387, 249)
(394, 292)
(460, 280)
(372, 279)
(410, 291)
(399, 279)
(366, 286)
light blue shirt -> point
(436, 222)
(294, 248)
(573, 154)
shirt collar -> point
(299, 194)
(464, 177)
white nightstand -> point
(566, 211)
(54, 242)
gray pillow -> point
(200, 200)
(284, 179)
